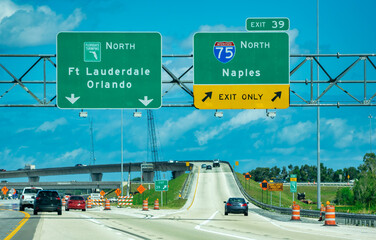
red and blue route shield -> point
(224, 51)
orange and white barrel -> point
(107, 205)
(295, 212)
(322, 212)
(145, 206)
(88, 203)
(63, 202)
(330, 216)
(156, 204)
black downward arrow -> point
(208, 95)
(277, 94)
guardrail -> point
(342, 218)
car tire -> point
(226, 213)
(22, 208)
(35, 212)
(83, 210)
(59, 212)
(67, 209)
(246, 214)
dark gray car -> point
(236, 205)
(47, 201)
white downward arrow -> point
(72, 99)
(145, 101)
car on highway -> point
(216, 163)
(47, 201)
(203, 165)
(236, 205)
(27, 197)
(76, 202)
(80, 165)
(3, 170)
(208, 167)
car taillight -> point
(23, 197)
(244, 205)
(57, 198)
(37, 198)
(229, 204)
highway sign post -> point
(161, 186)
(267, 24)
(293, 184)
(240, 70)
(109, 70)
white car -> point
(27, 197)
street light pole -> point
(318, 119)
(370, 133)
(122, 152)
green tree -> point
(365, 187)
(345, 196)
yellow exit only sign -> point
(275, 96)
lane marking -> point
(194, 195)
(198, 227)
(20, 224)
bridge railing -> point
(344, 218)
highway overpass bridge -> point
(96, 171)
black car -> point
(236, 205)
(47, 201)
(208, 167)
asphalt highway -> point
(201, 218)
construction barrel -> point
(295, 212)
(107, 205)
(88, 203)
(330, 215)
(156, 204)
(145, 206)
(322, 212)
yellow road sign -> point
(275, 186)
(276, 96)
(293, 179)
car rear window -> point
(31, 190)
(76, 198)
(48, 194)
(237, 200)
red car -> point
(76, 202)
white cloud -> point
(192, 149)
(342, 133)
(241, 119)
(51, 126)
(294, 134)
(284, 151)
(70, 155)
(22, 26)
(172, 130)
(188, 42)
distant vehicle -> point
(279, 180)
(236, 205)
(76, 202)
(170, 161)
(208, 167)
(27, 197)
(80, 165)
(3, 170)
(47, 201)
(216, 163)
(29, 166)
(4, 181)
(203, 165)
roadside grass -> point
(254, 190)
(171, 198)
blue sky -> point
(51, 137)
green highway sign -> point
(241, 70)
(161, 185)
(267, 24)
(293, 183)
(109, 70)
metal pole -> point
(122, 157)
(280, 198)
(370, 133)
(318, 120)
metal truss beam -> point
(302, 91)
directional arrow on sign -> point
(277, 94)
(145, 101)
(72, 99)
(208, 95)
